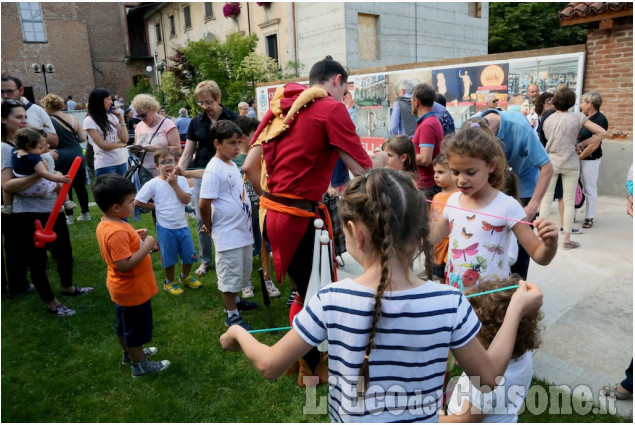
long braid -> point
(390, 206)
(383, 214)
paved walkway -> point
(588, 304)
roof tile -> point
(580, 9)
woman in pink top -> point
(154, 131)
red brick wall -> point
(609, 71)
(66, 48)
(86, 42)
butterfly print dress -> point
(479, 243)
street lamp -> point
(37, 68)
(159, 68)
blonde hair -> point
(210, 87)
(53, 103)
(145, 102)
(243, 105)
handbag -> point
(339, 240)
(136, 172)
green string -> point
(286, 328)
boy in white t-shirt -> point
(169, 194)
(229, 221)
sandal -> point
(202, 269)
(570, 245)
(611, 391)
(588, 223)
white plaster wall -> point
(320, 31)
(418, 32)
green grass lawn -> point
(68, 369)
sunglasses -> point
(142, 116)
(13, 102)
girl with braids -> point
(479, 237)
(388, 331)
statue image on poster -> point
(446, 82)
(467, 84)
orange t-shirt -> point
(118, 241)
(436, 213)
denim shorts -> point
(174, 243)
(113, 169)
(134, 323)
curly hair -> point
(491, 309)
(53, 103)
(394, 211)
(475, 139)
(145, 102)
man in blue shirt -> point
(528, 159)
(182, 124)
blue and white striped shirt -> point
(417, 328)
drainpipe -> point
(295, 45)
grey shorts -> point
(233, 268)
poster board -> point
(464, 86)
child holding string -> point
(479, 236)
(387, 329)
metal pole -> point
(46, 87)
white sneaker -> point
(248, 291)
(69, 219)
(84, 217)
(271, 289)
(69, 205)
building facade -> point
(359, 35)
(89, 44)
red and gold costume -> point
(301, 136)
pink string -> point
(479, 212)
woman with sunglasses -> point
(19, 227)
(154, 131)
(107, 130)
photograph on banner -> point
(446, 82)
(415, 77)
(372, 106)
(492, 79)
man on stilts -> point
(300, 138)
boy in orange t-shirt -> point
(131, 282)
(443, 179)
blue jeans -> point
(113, 169)
(204, 240)
(627, 383)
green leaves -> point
(530, 25)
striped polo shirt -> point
(414, 334)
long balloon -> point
(46, 235)
(314, 279)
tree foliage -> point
(530, 25)
(174, 98)
(220, 61)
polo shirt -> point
(429, 134)
(199, 132)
